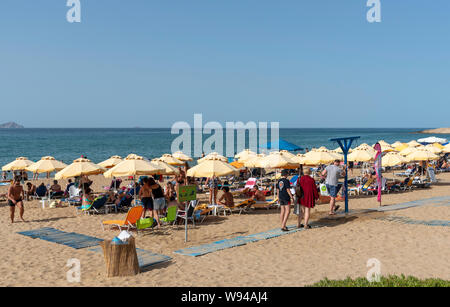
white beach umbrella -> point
(432, 139)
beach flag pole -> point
(345, 144)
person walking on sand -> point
(310, 195)
(333, 172)
(284, 197)
(15, 198)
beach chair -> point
(366, 189)
(201, 212)
(406, 173)
(188, 214)
(95, 207)
(268, 204)
(407, 184)
(143, 224)
(171, 215)
(243, 207)
(133, 215)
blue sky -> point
(147, 63)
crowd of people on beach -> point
(156, 197)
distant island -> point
(11, 125)
(437, 131)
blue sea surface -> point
(99, 144)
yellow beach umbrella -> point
(210, 167)
(169, 159)
(446, 149)
(134, 165)
(433, 149)
(413, 143)
(287, 154)
(278, 160)
(255, 161)
(46, 165)
(392, 159)
(407, 150)
(439, 145)
(339, 150)
(214, 155)
(361, 155)
(181, 156)
(245, 155)
(318, 156)
(299, 158)
(337, 154)
(20, 164)
(421, 154)
(111, 162)
(366, 147)
(168, 169)
(401, 147)
(80, 167)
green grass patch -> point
(389, 281)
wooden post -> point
(120, 259)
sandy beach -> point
(339, 250)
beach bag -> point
(323, 190)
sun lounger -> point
(406, 173)
(130, 220)
(97, 206)
(268, 204)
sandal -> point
(284, 229)
(308, 227)
(300, 226)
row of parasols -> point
(215, 164)
(132, 165)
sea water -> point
(99, 144)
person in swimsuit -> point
(159, 201)
(88, 198)
(226, 199)
(145, 195)
(15, 198)
(213, 184)
(31, 190)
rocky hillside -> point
(10, 125)
(438, 130)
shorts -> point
(284, 202)
(159, 203)
(147, 202)
(11, 204)
(332, 190)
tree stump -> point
(120, 259)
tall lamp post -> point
(345, 144)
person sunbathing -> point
(258, 195)
(56, 189)
(226, 199)
(31, 190)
